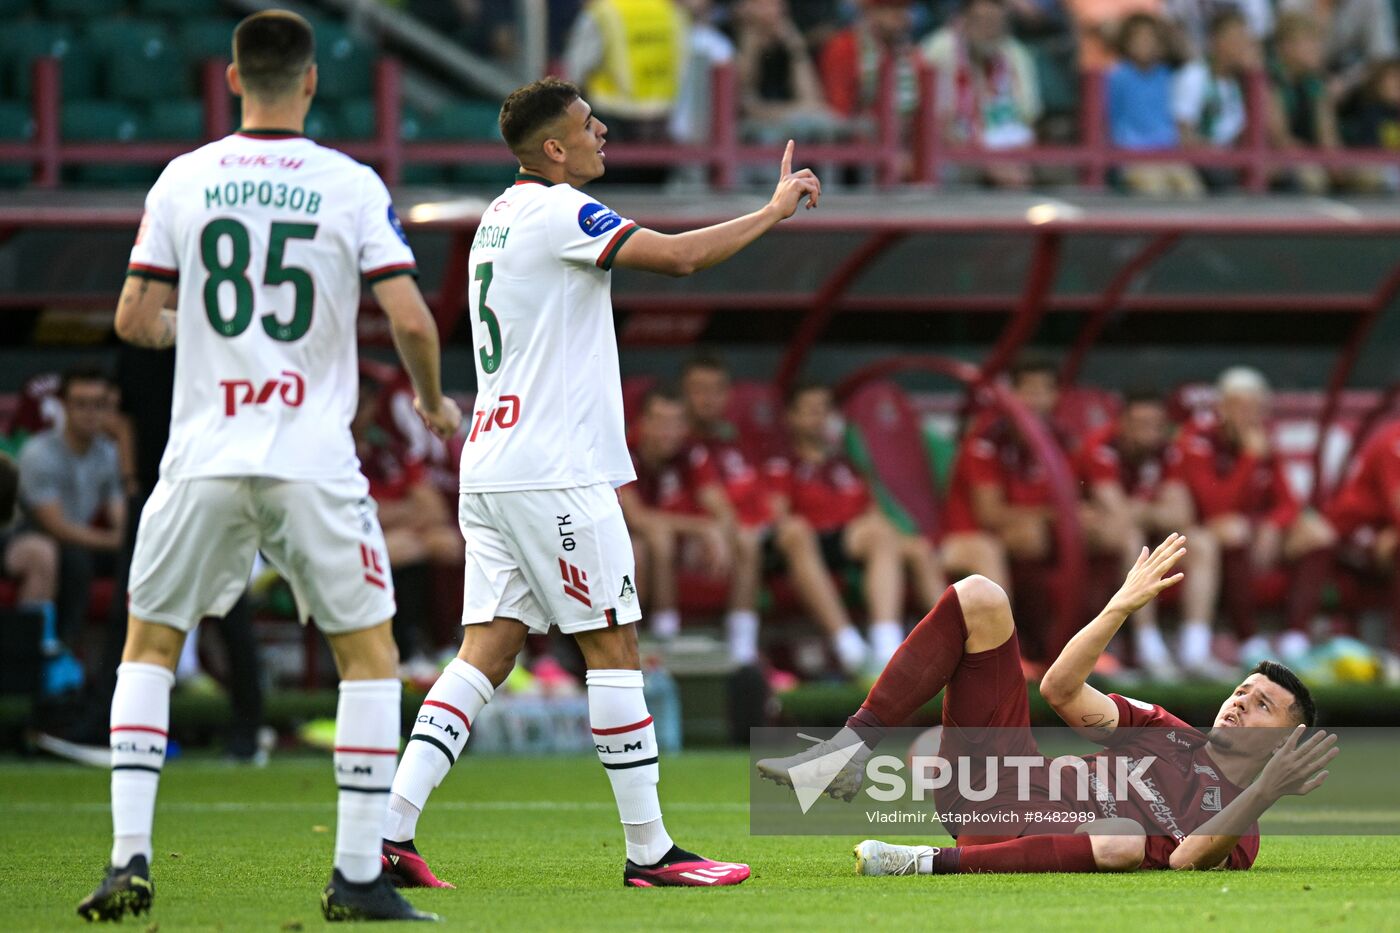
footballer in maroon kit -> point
(1210, 787)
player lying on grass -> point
(546, 544)
(1211, 786)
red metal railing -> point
(724, 154)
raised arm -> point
(680, 254)
(1295, 769)
(1064, 685)
(416, 338)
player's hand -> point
(793, 187)
(1298, 768)
(1149, 576)
(443, 420)
(1266, 546)
(719, 556)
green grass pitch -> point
(534, 844)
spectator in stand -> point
(1133, 497)
(1376, 125)
(706, 47)
(780, 95)
(418, 529)
(1190, 21)
(677, 506)
(627, 56)
(1140, 110)
(1099, 23)
(1359, 34)
(999, 492)
(1208, 94)
(714, 441)
(988, 94)
(1242, 496)
(1304, 115)
(1366, 510)
(814, 483)
(30, 558)
(9, 490)
(71, 489)
(850, 60)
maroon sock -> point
(1026, 854)
(1237, 589)
(919, 669)
(1309, 574)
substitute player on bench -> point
(546, 541)
(267, 234)
(1211, 790)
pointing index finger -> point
(787, 158)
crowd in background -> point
(1176, 73)
(780, 534)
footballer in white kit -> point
(546, 544)
(266, 236)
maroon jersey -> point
(829, 495)
(1190, 788)
(743, 484)
(1102, 460)
(674, 485)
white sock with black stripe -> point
(439, 736)
(140, 723)
(366, 749)
(625, 738)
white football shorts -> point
(548, 557)
(197, 539)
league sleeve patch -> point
(1145, 707)
(594, 219)
(398, 227)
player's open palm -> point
(793, 187)
(443, 420)
(1298, 768)
(1150, 575)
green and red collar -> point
(529, 178)
(260, 133)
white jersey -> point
(267, 234)
(548, 409)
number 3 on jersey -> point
(490, 362)
(275, 272)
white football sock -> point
(925, 857)
(741, 630)
(1150, 647)
(626, 742)
(851, 650)
(885, 639)
(366, 749)
(438, 738)
(140, 723)
(665, 623)
(1194, 646)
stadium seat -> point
(151, 70)
(175, 119)
(472, 120)
(91, 120)
(357, 118)
(322, 125)
(411, 127)
(23, 42)
(205, 38)
(884, 439)
(344, 64)
(16, 125)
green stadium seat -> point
(124, 34)
(101, 120)
(201, 39)
(23, 42)
(180, 8)
(175, 119)
(412, 126)
(469, 120)
(322, 126)
(151, 70)
(77, 8)
(357, 118)
(345, 65)
(16, 125)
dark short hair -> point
(1135, 22)
(81, 374)
(801, 388)
(1032, 365)
(706, 361)
(662, 393)
(1303, 708)
(272, 50)
(1141, 396)
(1224, 19)
(9, 490)
(530, 108)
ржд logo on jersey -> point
(503, 416)
(290, 386)
(594, 219)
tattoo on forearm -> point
(1099, 721)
